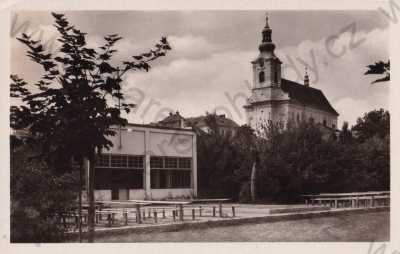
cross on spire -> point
(266, 20)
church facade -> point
(279, 100)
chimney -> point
(306, 79)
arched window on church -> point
(276, 76)
(261, 77)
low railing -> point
(152, 212)
(349, 200)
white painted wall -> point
(318, 115)
(171, 193)
(171, 144)
(132, 142)
(137, 194)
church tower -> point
(281, 101)
(267, 67)
(267, 81)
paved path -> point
(350, 227)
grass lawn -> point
(351, 227)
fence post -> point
(155, 216)
(112, 218)
(64, 221)
(199, 211)
(220, 209)
(233, 212)
(213, 211)
(181, 212)
(126, 217)
(149, 213)
(163, 213)
(138, 214)
(193, 214)
(109, 219)
(173, 215)
(144, 214)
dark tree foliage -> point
(373, 123)
(223, 160)
(293, 161)
(379, 68)
(40, 199)
(345, 135)
(70, 110)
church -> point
(279, 100)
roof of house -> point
(222, 121)
(159, 127)
(199, 121)
(307, 96)
(172, 118)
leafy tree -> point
(293, 161)
(373, 123)
(345, 136)
(224, 161)
(69, 111)
(379, 68)
(40, 199)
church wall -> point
(305, 113)
(260, 115)
(284, 112)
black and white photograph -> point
(201, 125)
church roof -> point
(307, 96)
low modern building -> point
(148, 162)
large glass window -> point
(170, 172)
(156, 162)
(104, 160)
(185, 163)
(171, 162)
(180, 178)
(119, 171)
(106, 178)
(119, 161)
(135, 161)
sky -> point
(209, 69)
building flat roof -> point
(159, 127)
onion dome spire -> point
(266, 44)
